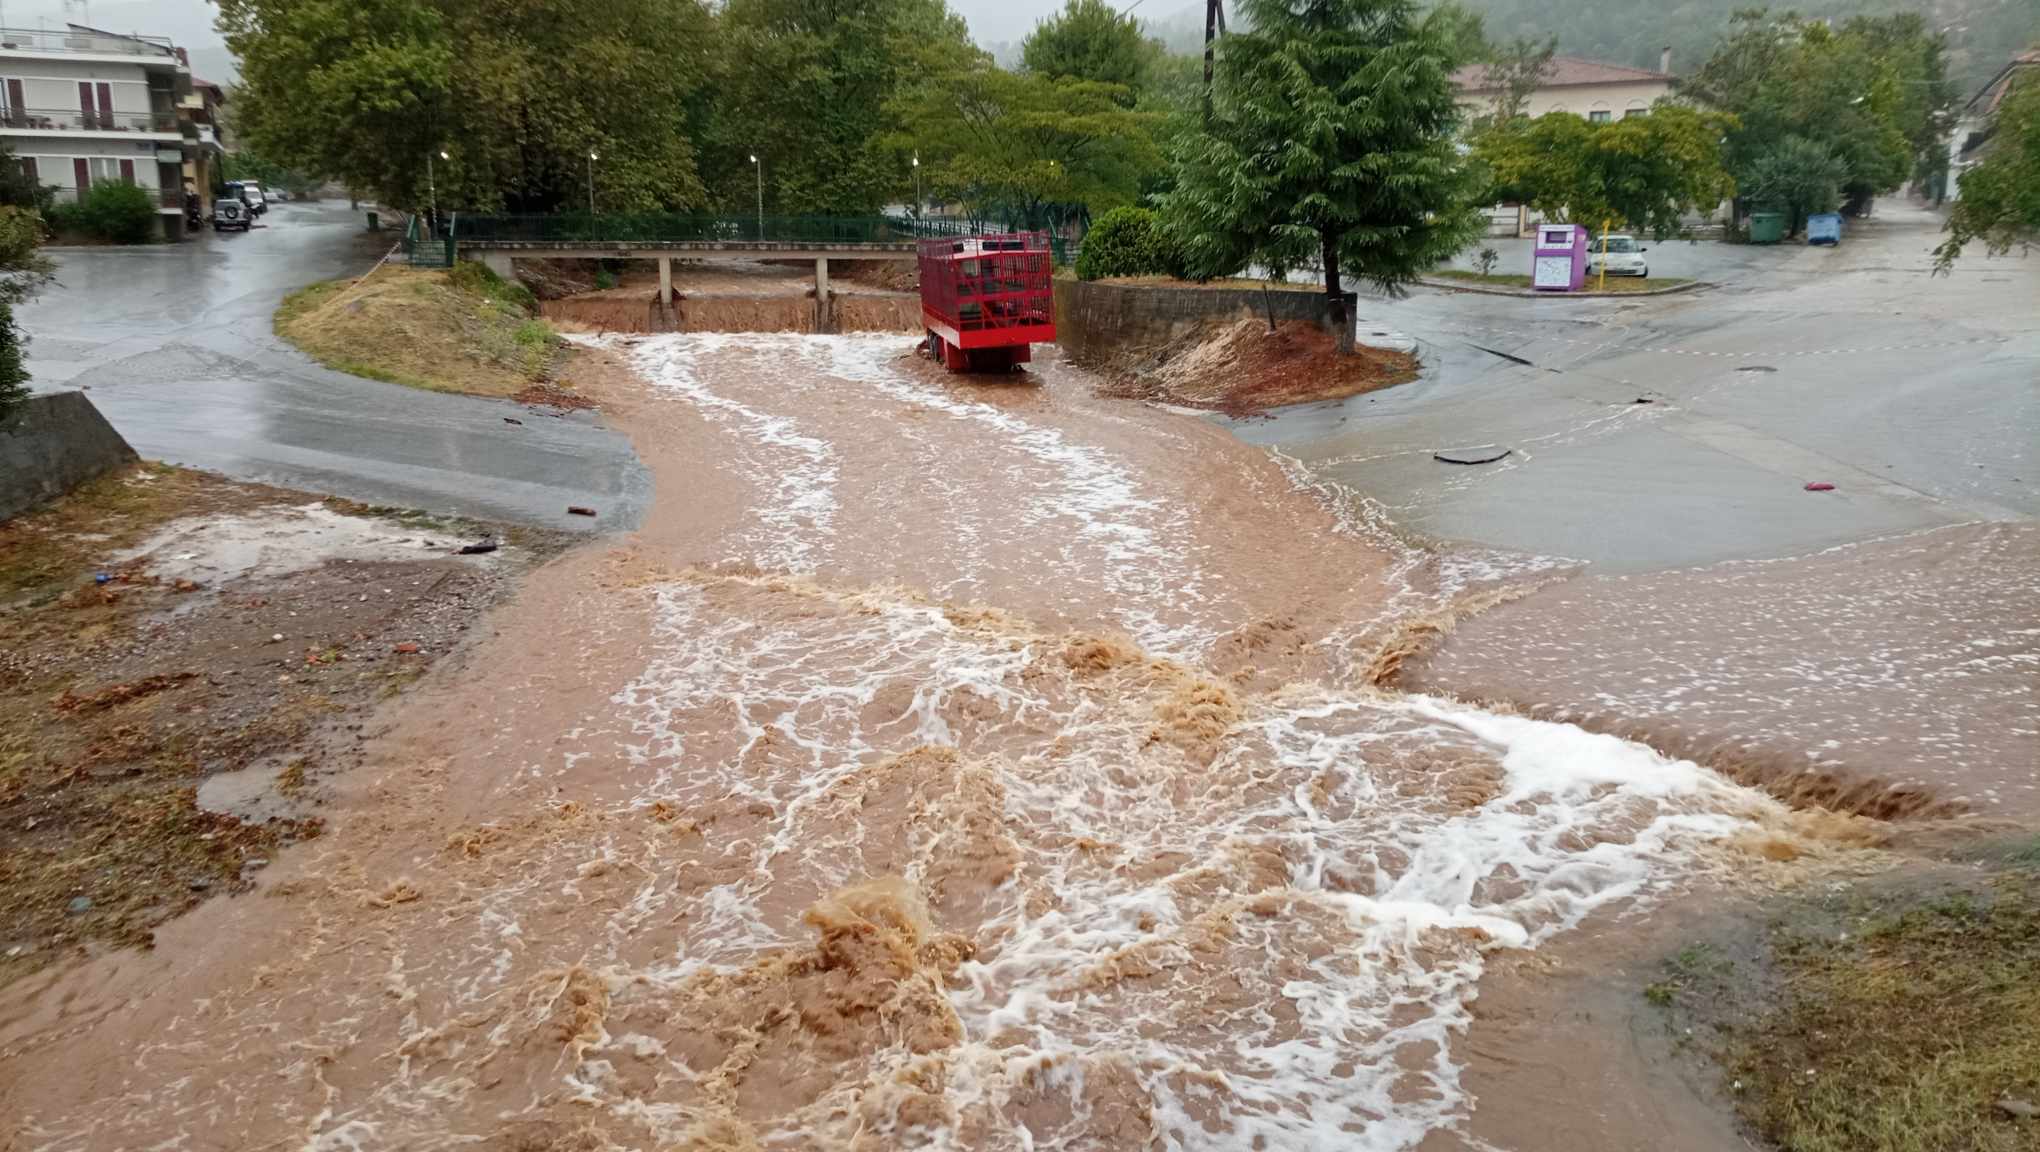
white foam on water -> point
(796, 472)
(1351, 968)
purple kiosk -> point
(1559, 258)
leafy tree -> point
(23, 272)
(1090, 40)
(118, 213)
(1024, 148)
(808, 86)
(1868, 91)
(517, 94)
(1641, 172)
(1801, 176)
(1127, 242)
(1330, 142)
(2000, 201)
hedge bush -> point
(1127, 242)
(115, 213)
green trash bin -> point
(1767, 227)
(374, 222)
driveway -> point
(174, 345)
(1682, 430)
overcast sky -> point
(189, 22)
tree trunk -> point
(1335, 304)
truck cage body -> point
(985, 299)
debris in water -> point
(1820, 486)
(579, 510)
(513, 420)
(1484, 454)
(479, 547)
(406, 649)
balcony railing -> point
(48, 40)
(73, 120)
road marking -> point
(1667, 349)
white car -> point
(1624, 256)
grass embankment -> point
(464, 330)
(1884, 1019)
(1511, 280)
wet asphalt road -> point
(1915, 396)
(174, 345)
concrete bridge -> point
(498, 240)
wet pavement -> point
(174, 345)
(1913, 395)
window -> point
(106, 169)
(1599, 116)
(1632, 112)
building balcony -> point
(75, 42)
(73, 120)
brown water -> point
(945, 764)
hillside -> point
(1982, 34)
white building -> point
(81, 107)
(1591, 89)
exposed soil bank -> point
(166, 730)
(1242, 367)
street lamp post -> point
(592, 157)
(918, 203)
(432, 182)
(761, 194)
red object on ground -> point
(1820, 486)
(986, 299)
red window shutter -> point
(85, 101)
(15, 104)
(83, 172)
(106, 105)
(28, 170)
(127, 171)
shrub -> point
(65, 216)
(13, 374)
(1127, 242)
(481, 280)
(1486, 261)
(118, 214)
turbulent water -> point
(997, 770)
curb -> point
(1463, 286)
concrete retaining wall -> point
(1099, 323)
(52, 444)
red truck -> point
(985, 299)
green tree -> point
(1127, 242)
(1090, 40)
(809, 87)
(2000, 201)
(1330, 143)
(1869, 90)
(1025, 149)
(516, 92)
(23, 272)
(1801, 176)
(1641, 172)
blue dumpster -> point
(1825, 228)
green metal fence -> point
(423, 250)
(653, 228)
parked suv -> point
(230, 211)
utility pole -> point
(761, 194)
(1214, 27)
(592, 157)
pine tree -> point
(1330, 143)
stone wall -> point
(50, 445)
(1101, 323)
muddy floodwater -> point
(944, 764)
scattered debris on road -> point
(579, 510)
(481, 547)
(1820, 486)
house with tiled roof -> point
(1591, 89)
(1976, 124)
